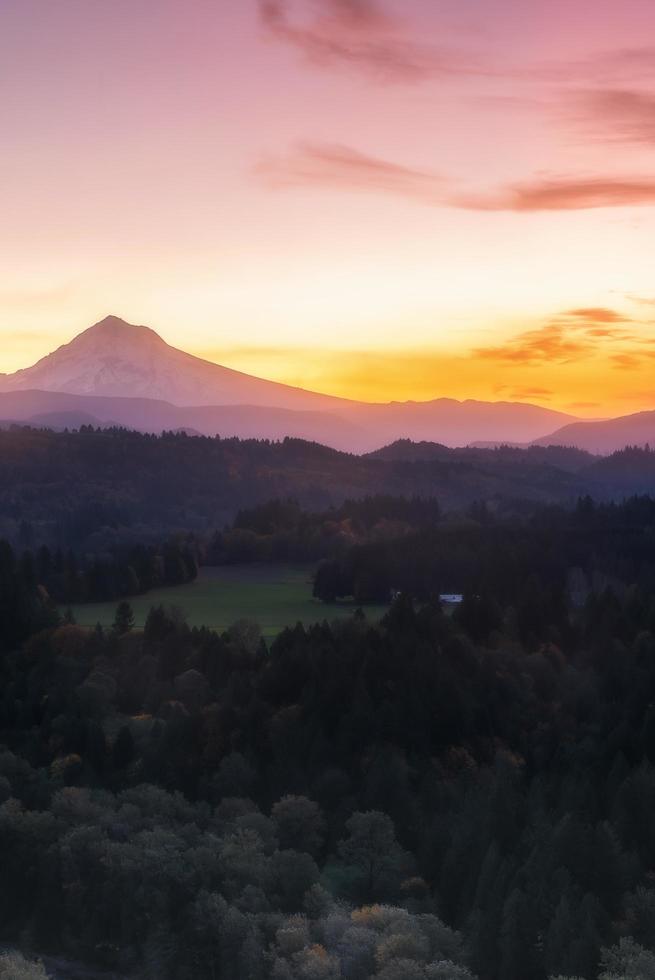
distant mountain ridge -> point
(132, 365)
(607, 436)
(154, 415)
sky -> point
(384, 199)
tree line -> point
(567, 552)
(68, 578)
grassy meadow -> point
(274, 596)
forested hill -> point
(562, 457)
(62, 487)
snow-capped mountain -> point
(117, 359)
(129, 374)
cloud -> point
(550, 343)
(598, 322)
(359, 35)
(341, 167)
(601, 332)
(565, 194)
(574, 335)
(616, 115)
(597, 314)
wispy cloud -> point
(555, 363)
(550, 343)
(564, 194)
(574, 335)
(359, 35)
(341, 167)
(597, 314)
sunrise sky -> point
(384, 199)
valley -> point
(272, 596)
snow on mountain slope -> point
(116, 359)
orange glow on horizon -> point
(405, 204)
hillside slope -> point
(607, 436)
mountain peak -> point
(112, 320)
(114, 327)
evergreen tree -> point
(124, 618)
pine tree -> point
(124, 619)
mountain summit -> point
(113, 329)
(118, 359)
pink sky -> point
(378, 199)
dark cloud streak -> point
(357, 34)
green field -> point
(274, 596)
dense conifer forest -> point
(441, 795)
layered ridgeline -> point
(63, 488)
(116, 373)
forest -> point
(69, 578)
(438, 796)
(97, 491)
